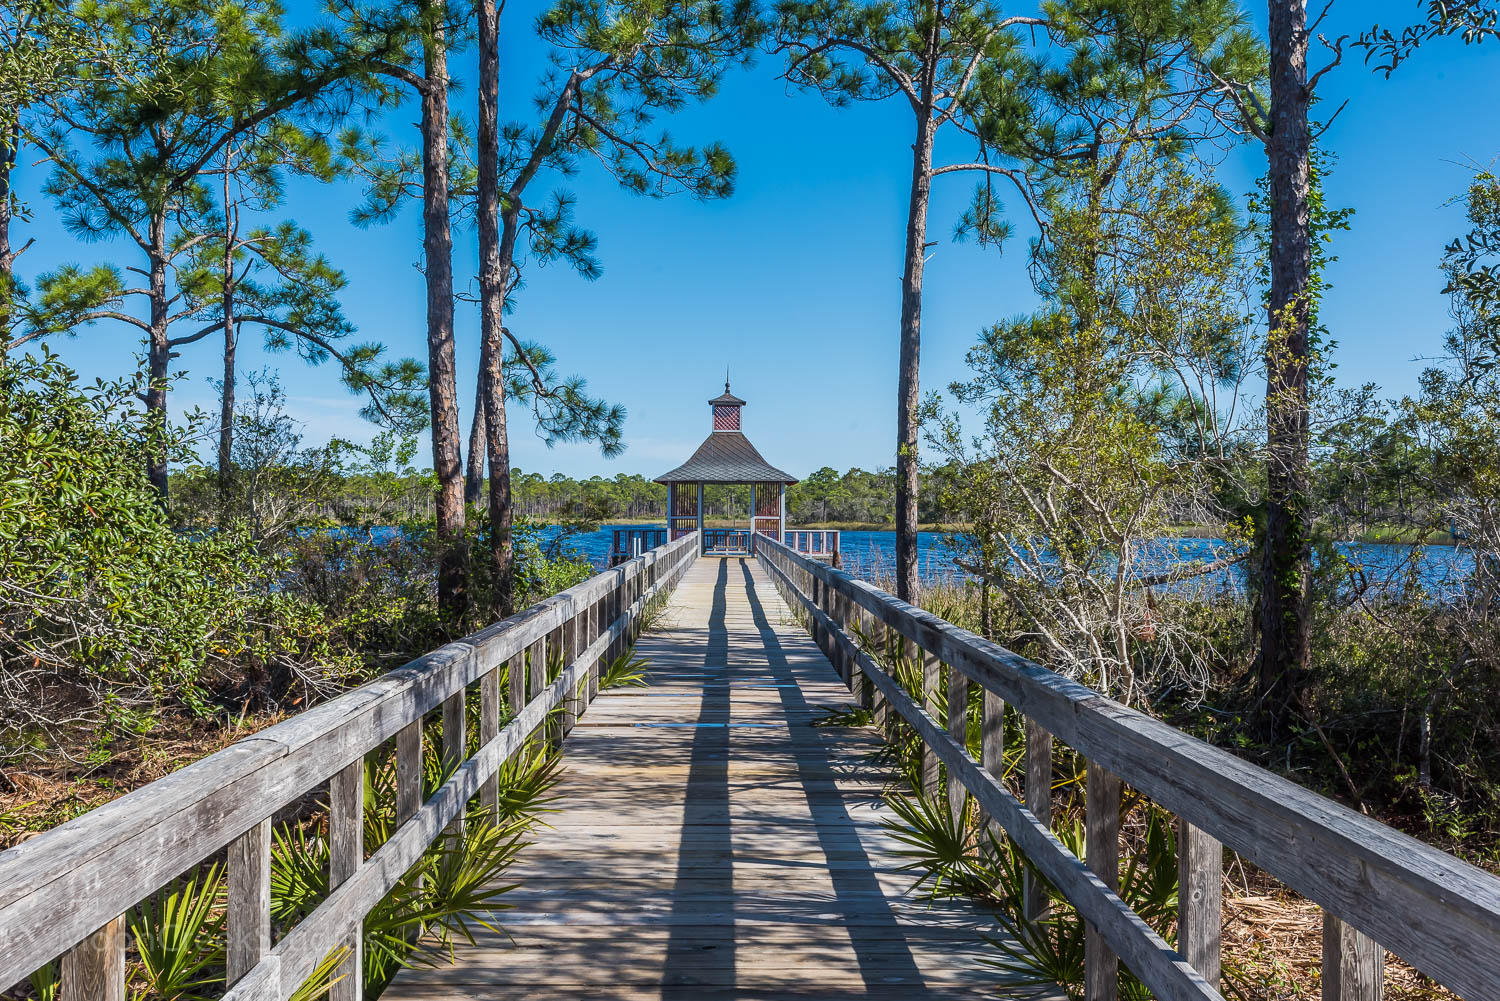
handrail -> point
(1376, 885)
(66, 890)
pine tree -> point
(1135, 71)
(618, 67)
(269, 277)
(217, 71)
(405, 49)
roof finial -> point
(726, 377)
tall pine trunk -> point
(907, 388)
(492, 274)
(231, 343)
(437, 245)
(474, 461)
(1286, 566)
(8, 143)
(158, 357)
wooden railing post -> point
(885, 719)
(591, 631)
(455, 750)
(849, 670)
(489, 729)
(1101, 968)
(516, 683)
(932, 676)
(536, 669)
(958, 729)
(572, 701)
(248, 906)
(1039, 802)
(557, 723)
(1353, 963)
(94, 969)
(1200, 900)
(992, 741)
(346, 852)
(409, 771)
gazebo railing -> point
(813, 542)
(728, 542)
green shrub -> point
(106, 613)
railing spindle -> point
(455, 739)
(932, 676)
(1200, 896)
(94, 969)
(958, 729)
(248, 906)
(592, 629)
(1039, 802)
(536, 670)
(489, 729)
(992, 740)
(1353, 963)
(409, 771)
(572, 702)
(1101, 968)
(346, 852)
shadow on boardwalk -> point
(709, 843)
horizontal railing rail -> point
(1379, 888)
(66, 891)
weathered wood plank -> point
(1101, 968)
(1353, 963)
(489, 726)
(932, 676)
(1200, 895)
(94, 969)
(248, 904)
(346, 853)
(1039, 801)
(958, 729)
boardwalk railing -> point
(728, 542)
(812, 541)
(1379, 888)
(65, 892)
(628, 543)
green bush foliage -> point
(108, 612)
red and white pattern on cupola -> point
(726, 418)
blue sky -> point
(793, 282)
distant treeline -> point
(1377, 497)
(826, 496)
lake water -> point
(872, 555)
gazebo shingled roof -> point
(726, 457)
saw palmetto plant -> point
(454, 891)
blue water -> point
(1441, 570)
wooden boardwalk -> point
(709, 843)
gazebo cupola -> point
(727, 457)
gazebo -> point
(726, 457)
